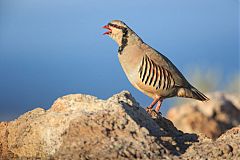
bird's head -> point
(117, 30)
(121, 33)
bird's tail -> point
(192, 93)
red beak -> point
(109, 29)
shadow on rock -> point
(81, 126)
(162, 129)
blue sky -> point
(52, 48)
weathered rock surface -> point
(212, 118)
(227, 146)
(84, 127)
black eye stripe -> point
(116, 26)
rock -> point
(212, 118)
(83, 127)
(227, 146)
(234, 98)
(114, 129)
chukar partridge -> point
(148, 70)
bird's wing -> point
(162, 61)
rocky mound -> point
(84, 127)
(213, 118)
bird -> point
(149, 70)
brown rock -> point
(211, 118)
(84, 127)
(227, 146)
(116, 129)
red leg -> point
(157, 109)
(154, 102)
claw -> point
(157, 112)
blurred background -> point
(51, 48)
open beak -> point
(108, 28)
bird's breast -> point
(130, 60)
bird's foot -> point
(158, 112)
(148, 109)
(153, 113)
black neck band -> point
(124, 40)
